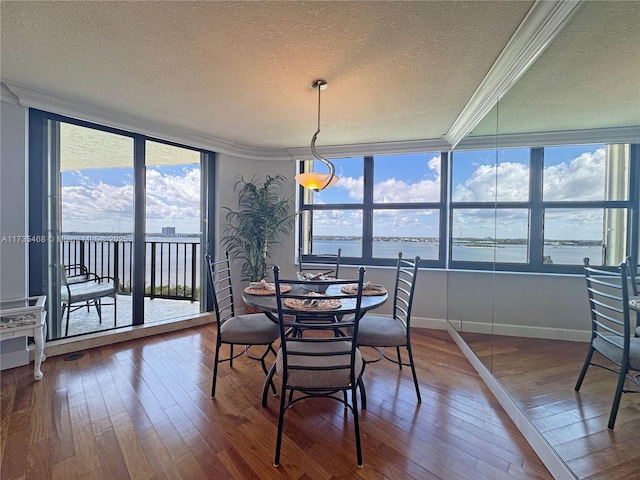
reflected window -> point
(586, 172)
(490, 176)
(490, 235)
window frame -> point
(535, 205)
(367, 207)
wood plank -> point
(142, 409)
(540, 376)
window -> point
(586, 204)
(489, 208)
(379, 207)
(517, 209)
(107, 200)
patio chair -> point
(380, 332)
(81, 288)
(245, 330)
(608, 293)
(318, 364)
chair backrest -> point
(632, 269)
(296, 301)
(329, 259)
(608, 293)
(219, 273)
(74, 273)
(406, 274)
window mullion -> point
(367, 209)
(536, 214)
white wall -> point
(13, 201)
(13, 221)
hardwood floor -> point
(142, 410)
(540, 376)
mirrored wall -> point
(578, 109)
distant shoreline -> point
(468, 241)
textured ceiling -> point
(588, 78)
(241, 72)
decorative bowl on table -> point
(314, 277)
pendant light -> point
(314, 180)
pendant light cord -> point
(332, 170)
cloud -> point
(511, 180)
(580, 179)
(172, 200)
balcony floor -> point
(83, 321)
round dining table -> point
(268, 304)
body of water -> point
(462, 251)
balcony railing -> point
(171, 268)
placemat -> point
(266, 291)
(368, 289)
(314, 303)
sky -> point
(101, 199)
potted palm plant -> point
(261, 218)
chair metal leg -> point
(585, 367)
(399, 358)
(363, 393)
(268, 381)
(616, 399)
(356, 422)
(413, 372)
(66, 331)
(98, 304)
(264, 366)
(283, 392)
(215, 367)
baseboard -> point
(502, 329)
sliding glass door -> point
(116, 208)
(96, 223)
(173, 226)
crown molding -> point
(380, 148)
(544, 139)
(534, 34)
(7, 96)
(34, 98)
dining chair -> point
(632, 268)
(608, 293)
(319, 363)
(245, 330)
(329, 259)
(379, 332)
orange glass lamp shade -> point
(316, 181)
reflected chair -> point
(380, 332)
(81, 288)
(632, 268)
(319, 363)
(329, 259)
(611, 337)
(245, 330)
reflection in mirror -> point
(476, 182)
(575, 112)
